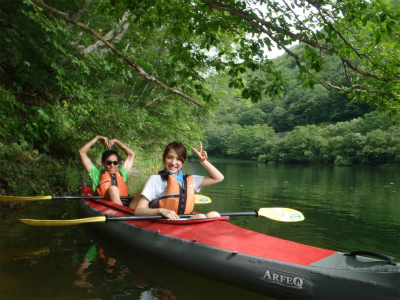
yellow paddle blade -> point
(23, 199)
(281, 214)
(201, 199)
(33, 222)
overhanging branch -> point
(131, 64)
(261, 24)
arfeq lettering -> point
(285, 279)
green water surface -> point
(346, 209)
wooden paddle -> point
(274, 213)
(199, 199)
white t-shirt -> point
(155, 186)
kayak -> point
(222, 251)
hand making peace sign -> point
(202, 154)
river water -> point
(345, 208)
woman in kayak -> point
(170, 192)
(109, 183)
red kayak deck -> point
(221, 234)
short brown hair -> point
(179, 149)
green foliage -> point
(361, 35)
(369, 140)
(304, 144)
(29, 173)
(252, 116)
(298, 107)
(346, 142)
(248, 141)
(59, 86)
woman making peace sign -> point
(171, 193)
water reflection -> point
(108, 264)
(158, 280)
(16, 253)
(99, 274)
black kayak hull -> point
(336, 276)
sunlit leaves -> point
(357, 31)
(182, 44)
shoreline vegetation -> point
(369, 141)
(28, 173)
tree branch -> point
(331, 26)
(270, 30)
(360, 71)
(64, 16)
(79, 12)
(155, 100)
(110, 35)
(298, 20)
(257, 22)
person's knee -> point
(113, 191)
(133, 204)
(213, 214)
(198, 216)
(112, 194)
(135, 200)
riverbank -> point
(26, 173)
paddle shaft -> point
(199, 199)
(273, 213)
(87, 197)
(39, 198)
(154, 217)
(240, 214)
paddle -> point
(274, 213)
(199, 199)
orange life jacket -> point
(107, 180)
(177, 198)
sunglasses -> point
(109, 162)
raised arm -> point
(87, 163)
(215, 175)
(129, 153)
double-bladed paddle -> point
(274, 213)
(199, 199)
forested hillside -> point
(298, 106)
(307, 126)
(148, 72)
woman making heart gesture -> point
(109, 182)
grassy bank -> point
(26, 173)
